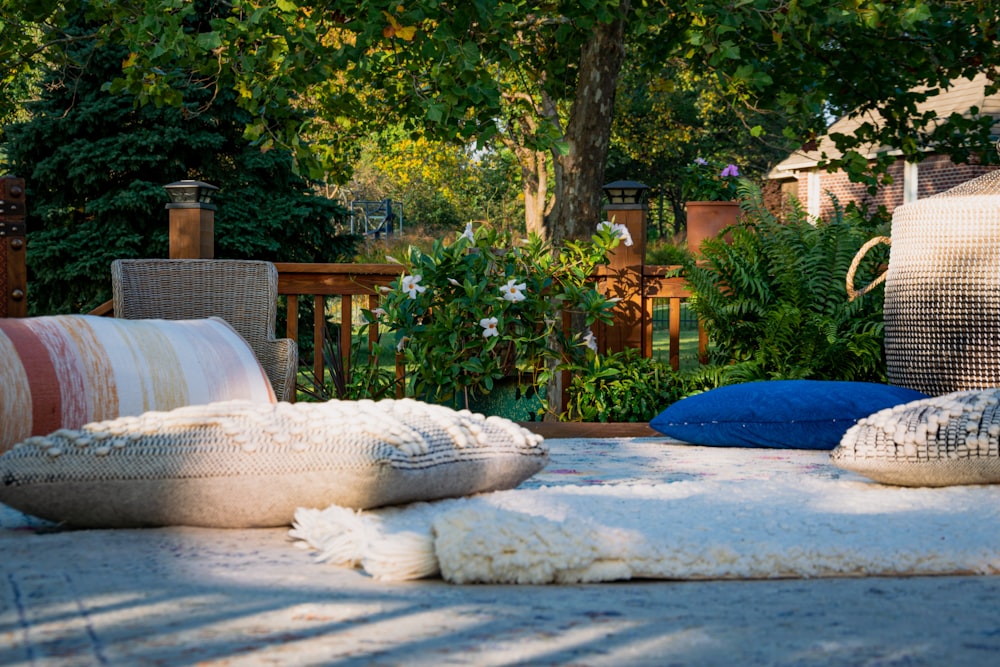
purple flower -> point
(710, 180)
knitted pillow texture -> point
(941, 441)
(238, 464)
(63, 371)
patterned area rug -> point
(649, 508)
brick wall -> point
(936, 174)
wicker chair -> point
(242, 292)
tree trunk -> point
(579, 171)
(680, 216)
(534, 175)
(534, 164)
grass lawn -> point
(661, 334)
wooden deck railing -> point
(358, 284)
(627, 277)
(322, 282)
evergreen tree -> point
(95, 165)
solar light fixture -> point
(625, 192)
(190, 194)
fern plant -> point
(773, 301)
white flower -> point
(617, 229)
(489, 325)
(589, 339)
(379, 312)
(513, 291)
(468, 232)
(392, 260)
(409, 285)
(622, 232)
(402, 343)
(454, 282)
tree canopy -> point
(316, 75)
(95, 166)
(672, 115)
(811, 60)
(440, 186)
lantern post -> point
(626, 206)
(192, 220)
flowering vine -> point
(487, 305)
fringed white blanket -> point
(689, 513)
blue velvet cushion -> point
(789, 414)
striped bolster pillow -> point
(64, 371)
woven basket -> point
(942, 290)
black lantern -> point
(625, 192)
(190, 194)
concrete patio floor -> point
(189, 596)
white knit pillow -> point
(241, 464)
(940, 441)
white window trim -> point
(813, 192)
(911, 180)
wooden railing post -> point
(13, 268)
(192, 220)
(625, 270)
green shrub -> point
(486, 306)
(666, 253)
(621, 387)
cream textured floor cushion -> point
(239, 464)
(941, 441)
(63, 371)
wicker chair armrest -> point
(280, 359)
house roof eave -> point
(962, 96)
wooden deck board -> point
(591, 429)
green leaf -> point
(209, 41)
